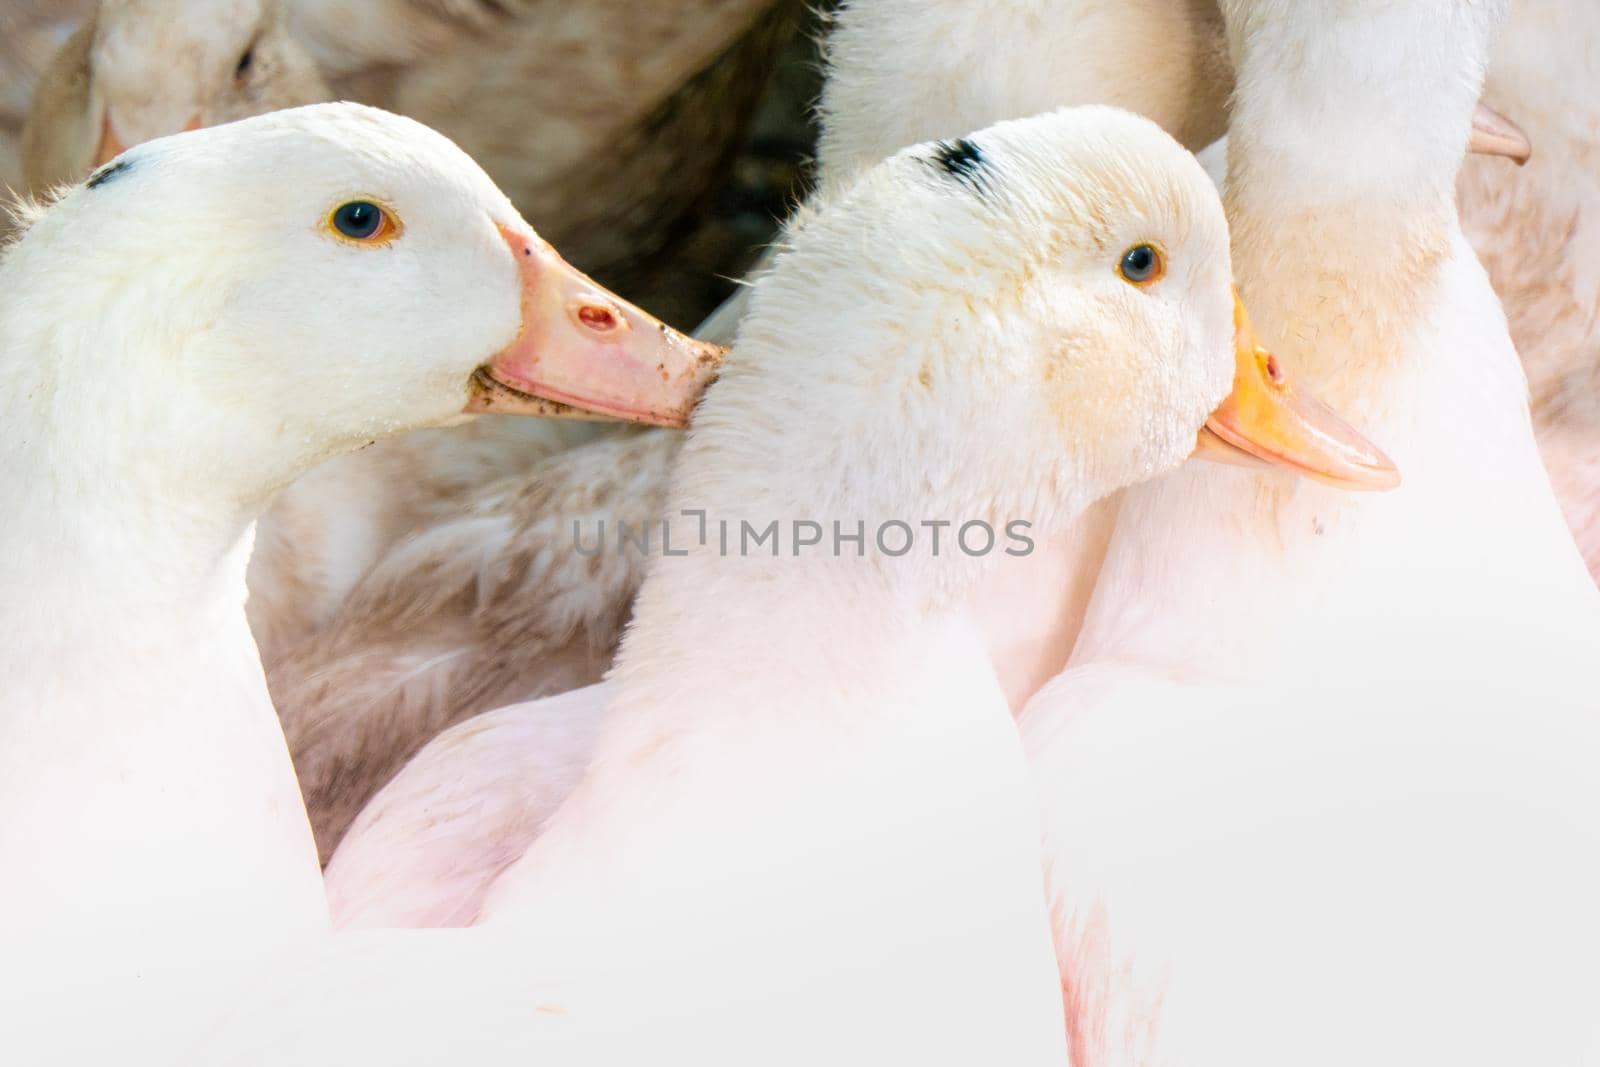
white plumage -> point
(1312, 770)
(242, 334)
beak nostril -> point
(597, 318)
(1274, 371)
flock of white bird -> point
(324, 740)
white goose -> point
(1319, 785)
(243, 330)
(959, 287)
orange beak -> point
(584, 353)
(111, 145)
(1495, 135)
(1266, 421)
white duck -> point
(629, 141)
(1528, 226)
(901, 71)
(1062, 277)
(1535, 230)
(243, 330)
(1167, 60)
(355, 701)
(140, 69)
(1319, 785)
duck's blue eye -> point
(358, 220)
(1141, 264)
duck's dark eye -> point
(359, 220)
(246, 61)
(1141, 264)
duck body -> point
(327, 531)
(118, 773)
(1357, 732)
(424, 852)
(517, 589)
(855, 875)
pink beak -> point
(1495, 135)
(585, 353)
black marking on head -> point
(109, 172)
(963, 160)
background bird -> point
(616, 124)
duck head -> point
(1046, 309)
(142, 69)
(249, 299)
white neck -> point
(1356, 272)
(830, 641)
(842, 450)
(149, 804)
(818, 736)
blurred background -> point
(658, 144)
